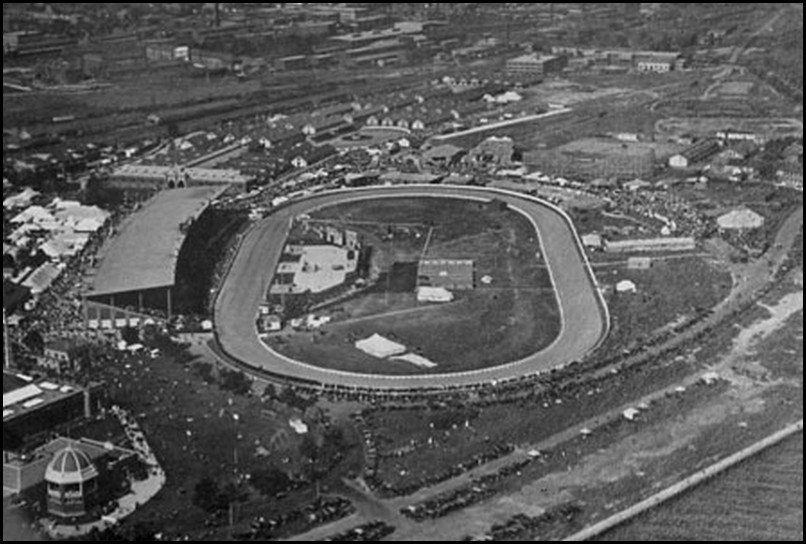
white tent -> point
(626, 286)
(434, 294)
(380, 347)
(741, 219)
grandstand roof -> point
(144, 253)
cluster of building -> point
(322, 259)
(76, 481)
(45, 235)
(344, 35)
(611, 60)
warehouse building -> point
(696, 153)
(534, 66)
(651, 245)
(139, 177)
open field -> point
(672, 291)
(771, 505)
(512, 317)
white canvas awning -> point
(380, 347)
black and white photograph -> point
(402, 272)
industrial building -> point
(657, 62)
(651, 245)
(139, 177)
(534, 66)
(591, 158)
(696, 153)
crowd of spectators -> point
(664, 212)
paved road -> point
(584, 314)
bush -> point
(270, 480)
(235, 382)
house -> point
(444, 154)
(64, 355)
(696, 153)
(791, 174)
(793, 153)
(592, 241)
(658, 63)
(730, 135)
(299, 162)
(739, 151)
(271, 323)
(637, 185)
(494, 150)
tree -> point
(207, 496)
(98, 193)
(235, 382)
(34, 342)
(270, 480)
(130, 335)
(270, 392)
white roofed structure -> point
(741, 219)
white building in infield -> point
(313, 269)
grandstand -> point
(138, 272)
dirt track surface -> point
(583, 312)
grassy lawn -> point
(671, 290)
(199, 430)
(508, 319)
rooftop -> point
(203, 175)
(532, 58)
(143, 255)
(33, 395)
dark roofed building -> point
(699, 152)
(64, 355)
(444, 155)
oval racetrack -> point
(583, 312)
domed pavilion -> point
(72, 481)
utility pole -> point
(6, 343)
